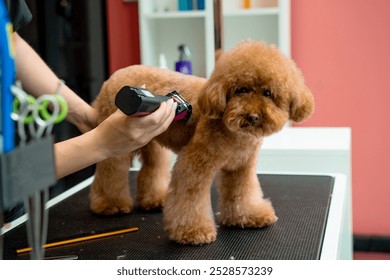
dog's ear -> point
(212, 99)
(301, 105)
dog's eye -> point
(267, 92)
(242, 90)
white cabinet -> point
(163, 28)
(313, 151)
(267, 20)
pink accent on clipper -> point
(180, 116)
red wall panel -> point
(122, 34)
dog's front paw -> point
(193, 234)
(153, 200)
(257, 216)
(104, 207)
(187, 226)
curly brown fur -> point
(253, 91)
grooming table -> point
(303, 204)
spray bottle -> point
(184, 65)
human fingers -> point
(162, 117)
(167, 120)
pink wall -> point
(343, 49)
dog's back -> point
(161, 82)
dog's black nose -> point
(253, 118)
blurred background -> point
(341, 47)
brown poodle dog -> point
(253, 91)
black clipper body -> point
(137, 101)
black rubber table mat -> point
(301, 203)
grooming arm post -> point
(26, 175)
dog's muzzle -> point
(253, 119)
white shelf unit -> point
(267, 20)
(162, 30)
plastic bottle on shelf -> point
(185, 5)
(247, 4)
(162, 61)
(200, 4)
(184, 65)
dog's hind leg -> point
(154, 175)
(241, 201)
(110, 191)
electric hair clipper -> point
(139, 102)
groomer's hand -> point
(119, 133)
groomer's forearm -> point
(38, 79)
(77, 153)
